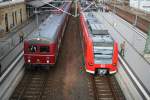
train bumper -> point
(93, 69)
(40, 59)
(89, 71)
(112, 72)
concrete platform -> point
(134, 47)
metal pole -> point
(135, 20)
(139, 3)
(114, 10)
(76, 3)
(37, 21)
(0, 68)
(36, 14)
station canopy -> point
(38, 3)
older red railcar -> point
(42, 46)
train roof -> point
(98, 32)
(49, 28)
(37, 3)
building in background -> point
(12, 14)
(141, 4)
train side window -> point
(44, 49)
(32, 48)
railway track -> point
(40, 84)
(105, 88)
(31, 86)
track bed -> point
(105, 88)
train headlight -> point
(90, 63)
(114, 64)
(29, 60)
(47, 61)
(38, 39)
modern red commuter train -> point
(100, 50)
(42, 46)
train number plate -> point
(102, 71)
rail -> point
(106, 87)
(32, 86)
(141, 88)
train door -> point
(6, 22)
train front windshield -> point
(103, 54)
(44, 49)
(33, 48)
(38, 48)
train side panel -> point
(87, 46)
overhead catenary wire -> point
(59, 9)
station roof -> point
(2, 4)
(38, 3)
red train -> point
(42, 46)
(100, 50)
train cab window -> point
(32, 48)
(44, 49)
(103, 55)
